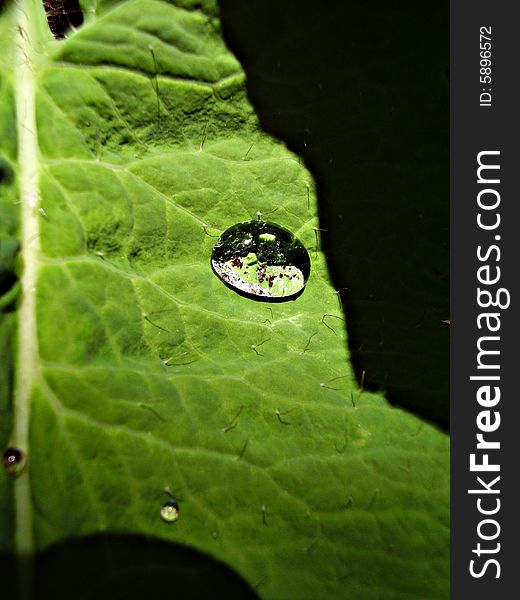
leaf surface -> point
(139, 376)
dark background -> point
(360, 90)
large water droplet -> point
(262, 261)
(170, 512)
(14, 461)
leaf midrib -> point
(27, 369)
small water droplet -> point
(170, 512)
(262, 261)
(14, 461)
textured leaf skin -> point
(151, 375)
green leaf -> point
(138, 375)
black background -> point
(360, 90)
